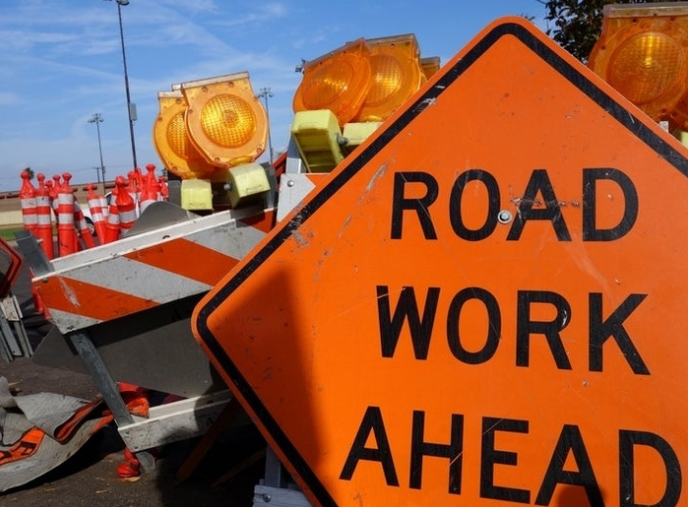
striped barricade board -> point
(144, 271)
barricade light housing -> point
(364, 80)
(317, 136)
(643, 53)
(172, 142)
(359, 85)
(396, 75)
(338, 81)
(225, 120)
(429, 65)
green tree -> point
(576, 24)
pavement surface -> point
(89, 477)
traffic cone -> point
(139, 179)
(151, 189)
(104, 206)
(96, 208)
(44, 229)
(82, 226)
(66, 233)
(134, 189)
(112, 228)
(27, 196)
(125, 205)
(53, 188)
(164, 191)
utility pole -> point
(97, 118)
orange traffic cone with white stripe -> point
(82, 226)
(27, 196)
(164, 190)
(134, 188)
(96, 208)
(151, 188)
(66, 233)
(53, 188)
(126, 206)
(44, 229)
(112, 228)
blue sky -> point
(61, 62)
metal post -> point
(265, 93)
(108, 388)
(130, 106)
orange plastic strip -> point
(25, 447)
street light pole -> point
(97, 118)
(131, 108)
(265, 93)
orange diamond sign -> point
(484, 305)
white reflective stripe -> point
(65, 218)
(43, 200)
(233, 240)
(141, 280)
(44, 219)
(66, 321)
(31, 219)
(65, 199)
(97, 216)
(28, 203)
(82, 224)
(113, 219)
(127, 217)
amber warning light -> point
(207, 126)
(364, 80)
(643, 53)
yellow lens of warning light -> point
(643, 53)
(172, 142)
(338, 81)
(225, 120)
(228, 121)
(395, 63)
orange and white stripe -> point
(149, 269)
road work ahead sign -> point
(485, 305)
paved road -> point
(89, 479)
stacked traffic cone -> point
(112, 228)
(66, 233)
(126, 206)
(104, 206)
(27, 196)
(53, 188)
(138, 181)
(134, 188)
(95, 206)
(164, 190)
(82, 226)
(151, 188)
(44, 229)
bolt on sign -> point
(484, 305)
